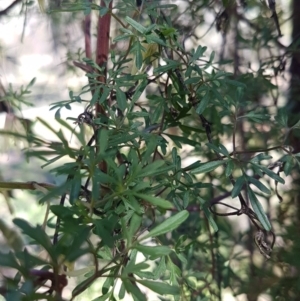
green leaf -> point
(219, 149)
(288, 165)
(258, 209)
(154, 252)
(87, 10)
(103, 140)
(150, 169)
(121, 99)
(132, 260)
(152, 38)
(74, 250)
(150, 28)
(208, 214)
(203, 103)
(229, 168)
(208, 166)
(75, 188)
(134, 290)
(151, 146)
(223, 150)
(65, 124)
(144, 274)
(175, 272)
(169, 66)
(108, 283)
(168, 225)
(103, 11)
(160, 269)
(193, 80)
(282, 117)
(198, 53)
(136, 25)
(257, 117)
(131, 204)
(122, 291)
(160, 287)
(104, 231)
(139, 90)
(133, 115)
(155, 168)
(239, 183)
(38, 235)
(135, 224)
(157, 201)
(136, 267)
(182, 139)
(95, 96)
(96, 185)
(106, 179)
(31, 83)
(164, 6)
(141, 186)
(211, 57)
(63, 212)
(192, 166)
(137, 49)
(122, 37)
(85, 284)
(260, 157)
(271, 174)
(259, 185)
(104, 95)
(103, 297)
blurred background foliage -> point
(253, 109)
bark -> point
(102, 52)
(294, 97)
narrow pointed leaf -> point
(259, 185)
(210, 219)
(154, 251)
(37, 234)
(258, 209)
(136, 25)
(208, 214)
(208, 166)
(238, 187)
(168, 225)
(271, 174)
(134, 290)
(121, 99)
(160, 287)
(157, 201)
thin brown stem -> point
(102, 52)
(25, 185)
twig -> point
(25, 185)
